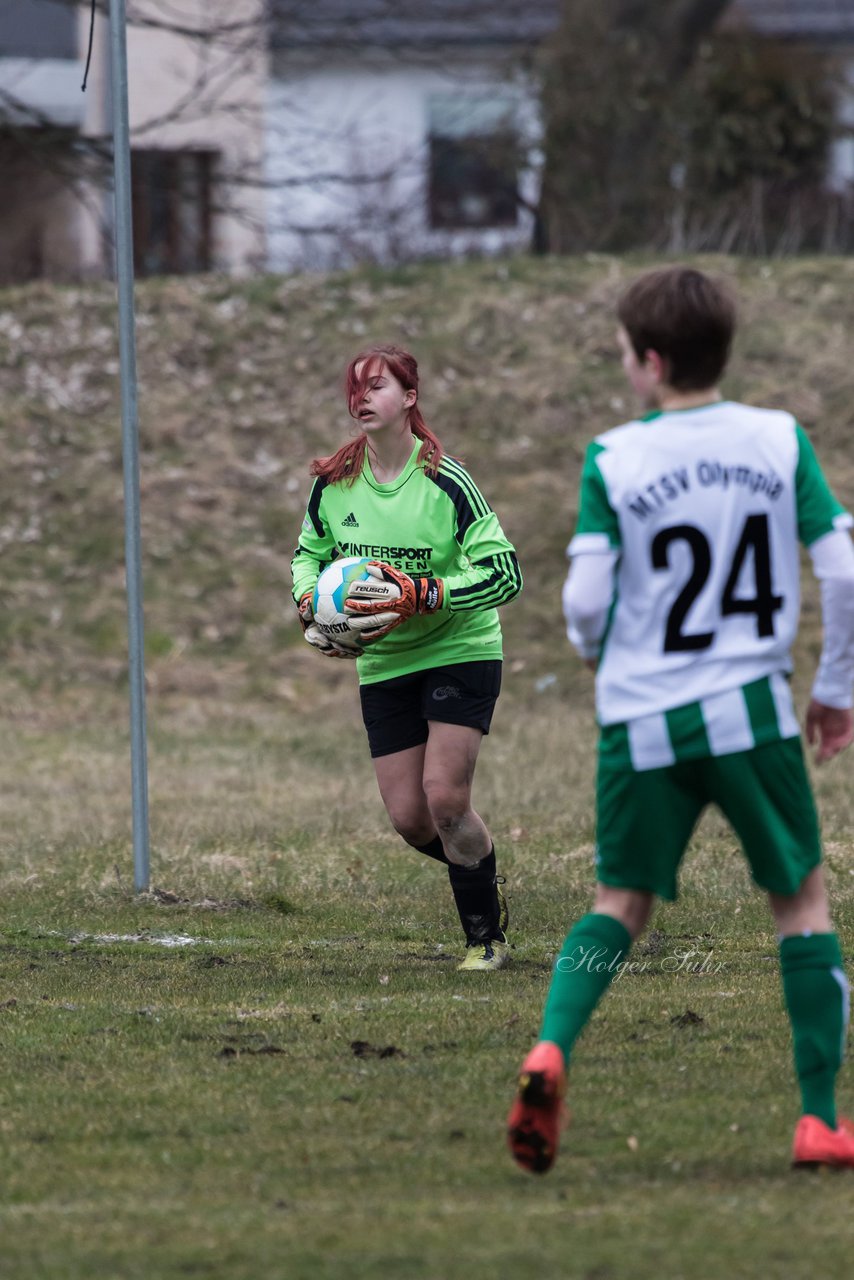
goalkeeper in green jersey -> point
(683, 595)
(430, 668)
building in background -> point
(401, 130)
(299, 134)
(197, 71)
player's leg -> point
(644, 822)
(637, 860)
(479, 901)
(593, 953)
(398, 731)
(399, 777)
(480, 906)
(767, 796)
(448, 774)
(397, 735)
(804, 912)
(449, 765)
(458, 702)
(817, 999)
(816, 991)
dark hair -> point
(687, 318)
(347, 463)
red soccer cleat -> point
(538, 1112)
(816, 1144)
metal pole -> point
(130, 440)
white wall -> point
(841, 167)
(46, 88)
(346, 161)
(205, 94)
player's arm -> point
(315, 547)
(588, 593)
(829, 720)
(491, 575)
(822, 527)
(314, 550)
(594, 551)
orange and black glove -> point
(390, 590)
(305, 610)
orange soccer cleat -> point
(538, 1112)
(816, 1144)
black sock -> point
(435, 849)
(476, 895)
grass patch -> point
(270, 1064)
(240, 389)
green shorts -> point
(644, 820)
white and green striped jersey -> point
(736, 720)
(439, 525)
(704, 509)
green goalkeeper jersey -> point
(437, 524)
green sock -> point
(817, 999)
(592, 951)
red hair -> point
(347, 463)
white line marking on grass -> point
(153, 939)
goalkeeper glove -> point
(312, 633)
(390, 590)
(305, 610)
(373, 626)
(326, 645)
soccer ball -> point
(328, 602)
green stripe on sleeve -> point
(818, 509)
(595, 513)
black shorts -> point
(396, 712)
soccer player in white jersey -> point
(683, 596)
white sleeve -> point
(833, 564)
(587, 595)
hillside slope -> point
(240, 386)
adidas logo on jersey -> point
(351, 522)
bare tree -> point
(610, 105)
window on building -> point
(171, 211)
(47, 29)
(474, 162)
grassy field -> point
(269, 1065)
